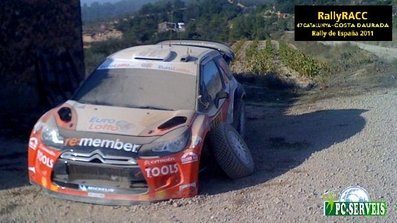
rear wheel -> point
(230, 151)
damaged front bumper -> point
(149, 179)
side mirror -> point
(221, 95)
(204, 101)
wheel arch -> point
(239, 93)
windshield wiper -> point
(96, 102)
(153, 108)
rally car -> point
(136, 129)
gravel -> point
(302, 150)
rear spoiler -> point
(223, 49)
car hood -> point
(122, 120)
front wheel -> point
(230, 151)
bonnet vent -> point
(175, 121)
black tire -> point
(230, 151)
(239, 118)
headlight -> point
(50, 134)
(172, 142)
(174, 146)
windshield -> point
(139, 88)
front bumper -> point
(151, 179)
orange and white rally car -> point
(136, 128)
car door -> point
(213, 97)
(230, 83)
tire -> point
(239, 118)
(230, 151)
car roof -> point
(163, 52)
(178, 58)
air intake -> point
(65, 114)
(97, 156)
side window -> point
(224, 67)
(211, 82)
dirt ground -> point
(303, 147)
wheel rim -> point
(238, 147)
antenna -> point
(172, 20)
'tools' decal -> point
(162, 171)
(44, 159)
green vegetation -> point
(261, 61)
(300, 62)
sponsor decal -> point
(162, 171)
(146, 65)
(102, 143)
(353, 201)
(166, 67)
(94, 188)
(97, 195)
(109, 124)
(117, 64)
(33, 142)
(189, 157)
(159, 161)
(45, 159)
(179, 69)
(184, 186)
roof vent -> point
(154, 54)
(186, 58)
